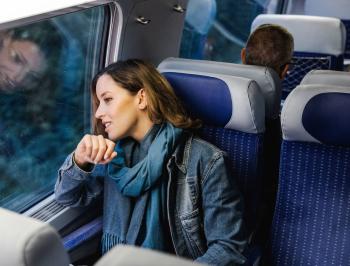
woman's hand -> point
(94, 149)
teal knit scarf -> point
(142, 181)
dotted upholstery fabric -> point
(311, 225)
(244, 154)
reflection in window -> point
(220, 30)
(45, 71)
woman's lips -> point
(107, 125)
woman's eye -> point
(15, 57)
(106, 100)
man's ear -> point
(243, 54)
(284, 71)
(142, 99)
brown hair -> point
(163, 104)
(270, 45)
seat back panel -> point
(311, 224)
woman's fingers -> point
(105, 161)
(87, 143)
(110, 148)
(83, 151)
(95, 149)
(102, 147)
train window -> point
(45, 71)
(222, 27)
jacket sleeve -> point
(76, 187)
(222, 210)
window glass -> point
(220, 30)
(45, 72)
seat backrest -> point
(336, 8)
(196, 28)
(311, 221)
(123, 255)
(232, 111)
(267, 79)
(25, 242)
(271, 87)
(319, 43)
(327, 77)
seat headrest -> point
(25, 241)
(317, 113)
(267, 79)
(220, 100)
(335, 8)
(311, 34)
(327, 77)
(123, 255)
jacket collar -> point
(182, 152)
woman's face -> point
(19, 59)
(117, 110)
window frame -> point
(110, 53)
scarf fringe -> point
(108, 241)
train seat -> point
(232, 112)
(319, 43)
(327, 77)
(336, 8)
(267, 79)
(311, 221)
(26, 241)
(271, 86)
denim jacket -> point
(204, 205)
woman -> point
(25, 56)
(164, 188)
(29, 57)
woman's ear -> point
(142, 99)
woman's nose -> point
(99, 113)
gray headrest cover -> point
(28, 242)
(327, 77)
(309, 32)
(248, 113)
(293, 108)
(267, 79)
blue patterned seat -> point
(271, 86)
(319, 43)
(232, 111)
(311, 221)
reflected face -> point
(117, 108)
(19, 60)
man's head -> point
(269, 45)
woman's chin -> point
(114, 137)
